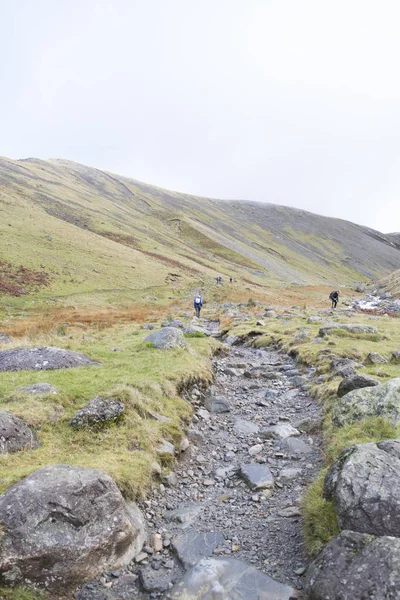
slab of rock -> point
(192, 545)
(5, 339)
(65, 525)
(167, 338)
(356, 566)
(99, 411)
(42, 359)
(257, 477)
(231, 340)
(295, 446)
(246, 427)
(379, 401)
(15, 435)
(289, 474)
(217, 404)
(193, 329)
(228, 579)
(38, 389)
(373, 358)
(348, 384)
(166, 448)
(185, 515)
(365, 485)
(356, 329)
(154, 580)
(280, 431)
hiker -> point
(230, 279)
(197, 303)
(334, 297)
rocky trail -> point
(237, 488)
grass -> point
(22, 593)
(320, 524)
(145, 379)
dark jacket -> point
(198, 303)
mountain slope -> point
(89, 230)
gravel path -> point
(212, 504)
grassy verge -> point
(145, 379)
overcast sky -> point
(295, 102)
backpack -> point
(197, 300)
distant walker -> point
(334, 297)
(197, 303)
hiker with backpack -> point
(334, 298)
(197, 303)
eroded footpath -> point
(237, 489)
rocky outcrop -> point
(365, 485)
(98, 412)
(348, 328)
(42, 359)
(348, 384)
(379, 401)
(38, 389)
(15, 435)
(228, 579)
(167, 338)
(64, 525)
(356, 566)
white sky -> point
(295, 102)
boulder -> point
(42, 359)
(193, 329)
(167, 338)
(15, 435)
(98, 412)
(245, 427)
(365, 485)
(38, 388)
(5, 339)
(280, 431)
(228, 579)
(293, 445)
(166, 449)
(355, 329)
(379, 401)
(373, 358)
(348, 384)
(395, 357)
(65, 525)
(270, 314)
(148, 326)
(217, 404)
(315, 320)
(356, 566)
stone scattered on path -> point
(280, 431)
(65, 525)
(99, 411)
(42, 359)
(228, 579)
(379, 401)
(245, 427)
(364, 483)
(295, 446)
(258, 477)
(217, 404)
(348, 384)
(38, 389)
(356, 566)
(15, 435)
(193, 545)
(167, 338)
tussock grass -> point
(319, 517)
(146, 380)
(22, 593)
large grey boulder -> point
(257, 477)
(167, 338)
(379, 401)
(15, 435)
(228, 579)
(65, 525)
(374, 358)
(356, 566)
(357, 329)
(99, 411)
(348, 384)
(42, 359)
(365, 485)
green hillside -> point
(70, 230)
